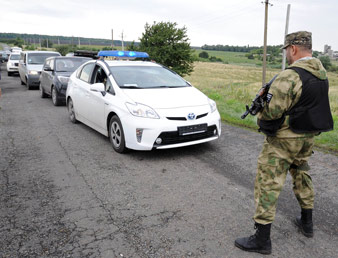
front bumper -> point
(167, 130)
(33, 80)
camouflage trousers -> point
(274, 162)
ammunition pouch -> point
(270, 127)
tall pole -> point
(122, 41)
(112, 40)
(286, 32)
(265, 40)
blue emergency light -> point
(123, 54)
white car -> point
(13, 63)
(140, 105)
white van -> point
(30, 66)
(13, 63)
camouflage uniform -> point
(287, 151)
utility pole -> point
(122, 41)
(286, 32)
(265, 39)
(112, 39)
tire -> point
(42, 92)
(116, 135)
(9, 73)
(71, 111)
(55, 97)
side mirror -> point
(47, 68)
(99, 87)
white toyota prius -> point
(140, 105)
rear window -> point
(39, 58)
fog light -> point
(158, 141)
(139, 133)
(215, 132)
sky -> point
(211, 22)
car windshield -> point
(39, 58)
(146, 77)
(14, 57)
(69, 65)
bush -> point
(203, 54)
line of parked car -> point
(137, 103)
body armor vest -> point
(311, 114)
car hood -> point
(161, 98)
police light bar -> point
(123, 54)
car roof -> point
(52, 52)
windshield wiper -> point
(130, 87)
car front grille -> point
(184, 118)
(174, 137)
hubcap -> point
(115, 133)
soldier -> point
(298, 110)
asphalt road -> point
(66, 193)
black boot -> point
(304, 222)
(260, 242)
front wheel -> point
(116, 135)
(71, 111)
(55, 97)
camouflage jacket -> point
(286, 91)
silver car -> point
(30, 66)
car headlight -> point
(33, 72)
(141, 110)
(212, 105)
(63, 79)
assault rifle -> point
(259, 101)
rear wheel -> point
(71, 111)
(55, 97)
(116, 135)
(9, 73)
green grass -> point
(230, 57)
(234, 86)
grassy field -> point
(234, 86)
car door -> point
(96, 100)
(81, 90)
(46, 77)
(22, 67)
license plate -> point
(192, 129)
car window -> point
(47, 63)
(14, 57)
(100, 76)
(39, 58)
(146, 77)
(68, 65)
(86, 72)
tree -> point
(168, 45)
(46, 43)
(325, 61)
(203, 54)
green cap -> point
(301, 38)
